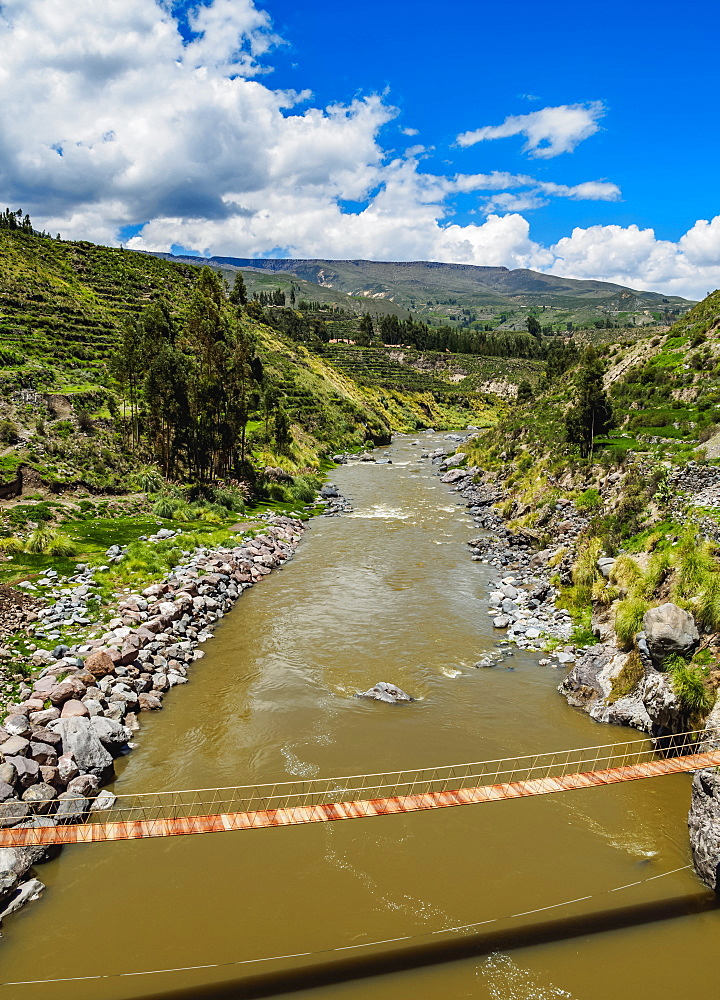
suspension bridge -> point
(323, 800)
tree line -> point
(192, 385)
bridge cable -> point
(342, 948)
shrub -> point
(688, 682)
(585, 571)
(8, 432)
(11, 545)
(626, 573)
(149, 481)
(628, 619)
(589, 500)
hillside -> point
(493, 297)
(63, 309)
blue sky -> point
(575, 139)
(653, 64)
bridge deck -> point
(171, 818)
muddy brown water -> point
(386, 594)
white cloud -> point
(501, 181)
(410, 131)
(633, 256)
(109, 119)
(548, 132)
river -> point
(388, 593)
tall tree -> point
(592, 413)
(238, 295)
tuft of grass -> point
(629, 619)
(689, 683)
(585, 571)
(11, 545)
(626, 573)
(164, 508)
(627, 680)
(40, 540)
(604, 593)
(62, 546)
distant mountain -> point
(467, 293)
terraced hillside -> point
(63, 300)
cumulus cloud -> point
(111, 118)
(549, 132)
(633, 256)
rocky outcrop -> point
(670, 631)
(589, 686)
(704, 827)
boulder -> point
(80, 739)
(383, 691)
(111, 734)
(16, 746)
(40, 798)
(100, 663)
(13, 812)
(73, 709)
(17, 725)
(670, 631)
(589, 686)
(84, 784)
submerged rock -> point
(704, 827)
(383, 691)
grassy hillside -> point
(470, 296)
(63, 307)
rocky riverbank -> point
(58, 743)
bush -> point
(11, 545)
(585, 571)
(628, 679)
(8, 432)
(688, 681)
(629, 618)
(589, 500)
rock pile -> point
(58, 744)
(335, 502)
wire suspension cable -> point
(343, 948)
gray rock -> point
(71, 808)
(80, 739)
(383, 691)
(13, 812)
(502, 621)
(670, 631)
(605, 565)
(27, 892)
(111, 734)
(104, 800)
(40, 797)
(589, 685)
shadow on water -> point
(437, 952)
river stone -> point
(669, 631)
(80, 739)
(104, 801)
(6, 791)
(72, 807)
(8, 774)
(84, 784)
(45, 755)
(149, 702)
(16, 746)
(383, 691)
(27, 769)
(40, 798)
(17, 725)
(99, 663)
(13, 812)
(110, 733)
(502, 621)
(605, 565)
(73, 709)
